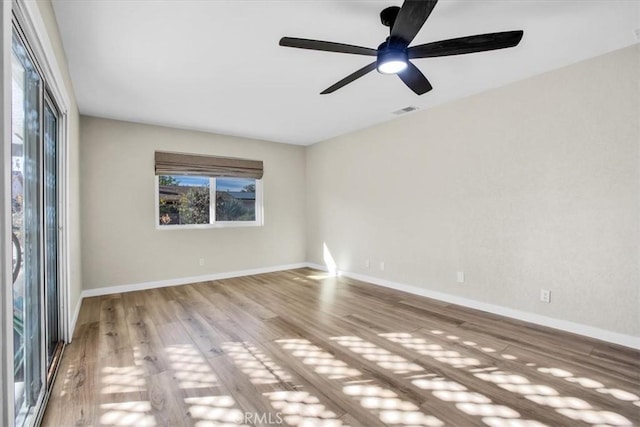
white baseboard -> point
(74, 319)
(185, 280)
(564, 325)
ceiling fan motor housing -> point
(391, 51)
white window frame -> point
(6, 297)
(259, 221)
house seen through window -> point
(194, 200)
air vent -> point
(405, 110)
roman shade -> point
(211, 166)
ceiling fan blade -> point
(326, 46)
(469, 44)
(414, 78)
(351, 77)
(411, 18)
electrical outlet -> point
(460, 276)
(367, 263)
(201, 262)
(381, 265)
(545, 295)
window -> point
(204, 195)
(186, 200)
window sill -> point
(221, 224)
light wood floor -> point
(303, 349)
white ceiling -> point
(216, 65)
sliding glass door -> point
(34, 213)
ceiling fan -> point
(393, 55)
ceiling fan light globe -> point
(392, 58)
(393, 66)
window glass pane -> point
(26, 228)
(184, 200)
(51, 230)
(235, 199)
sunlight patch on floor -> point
(389, 407)
(323, 362)
(382, 357)
(383, 402)
(589, 383)
(320, 276)
(255, 364)
(486, 409)
(469, 402)
(190, 368)
(501, 422)
(619, 394)
(218, 411)
(127, 414)
(596, 418)
(436, 351)
(544, 395)
(467, 343)
(71, 376)
(571, 407)
(126, 379)
(299, 408)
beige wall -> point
(534, 185)
(75, 270)
(120, 242)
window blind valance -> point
(211, 166)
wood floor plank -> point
(164, 404)
(146, 342)
(74, 398)
(303, 348)
(114, 334)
